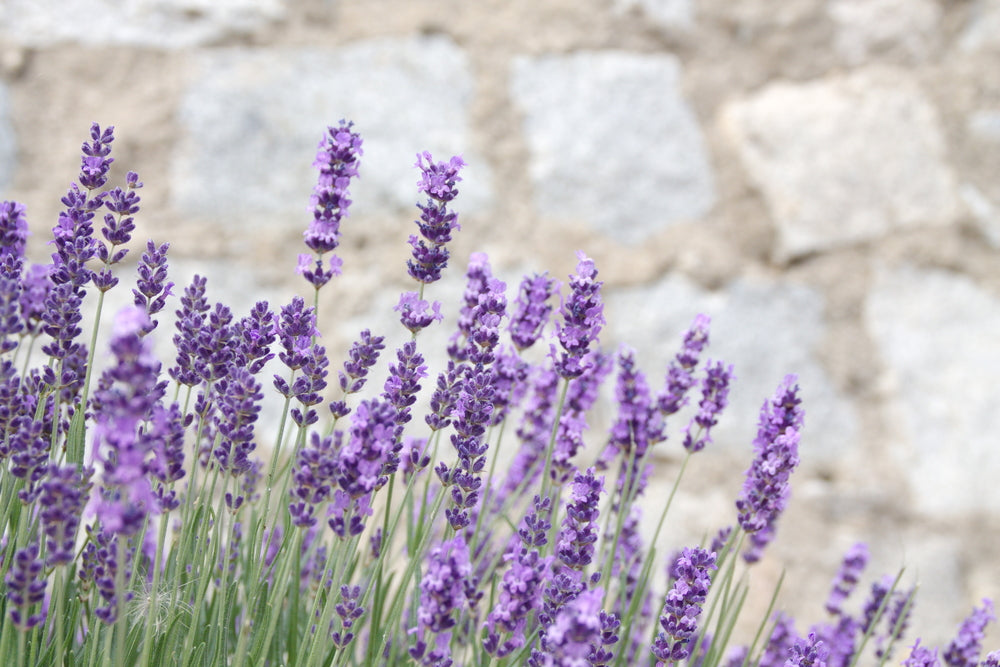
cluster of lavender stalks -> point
(140, 527)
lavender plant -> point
(148, 517)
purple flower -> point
(151, 289)
(807, 653)
(521, 586)
(296, 330)
(63, 498)
(992, 659)
(636, 427)
(579, 528)
(714, 398)
(766, 489)
(473, 412)
(254, 335)
(35, 287)
(442, 592)
(361, 466)
(875, 606)
(532, 310)
(361, 357)
(574, 634)
(582, 319)
(922, 656)
(337, 162)
(683, 604)
(117, 230)
(511, 373)
(477, 279)
(26, 587)
(430, 256)
(307, 386)
(348, 611)
(95, 163)
(166, 435)
(847, 577)
(781, 641)
(680, 373)
(964, 649)
(190, 320)
(126, 395)
(415, 313)
(580, 397)
(313, 477)
(29, 455)
(13, 229)
(445, 396)
(239, 399)
(102, 557)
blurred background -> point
(821, 177)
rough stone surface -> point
(846, 159)
(867, 28)
(253, 120)
(982, 31)
(665, 13)
(613, 142)
(764, 329)
(937, 333)
(8, 148)
(171, 24)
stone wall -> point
(820, 176)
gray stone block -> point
(170, 24)
(765, 329)
(844, 159)
(937, 335)
(252, 120)
(613, 142)
(665, 13)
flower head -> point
(582, 318)
(847, 578)
(964, 649)
(532, 309)
(682, 607)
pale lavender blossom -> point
(964, 649)
(847, 577)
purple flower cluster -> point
(964, 649)
(680, 373)
(521, 586)
(683, 604)
(361, 466)
(62, 500)
(360, 359)
(847, 578)
(714, 398)
(400, 390)
(578, 535)
(443, 591)
(126, 396)
(576, 633)
(766, 489)
(581, 395)
(151, 289)
(312, 479)
(809, 652)
(437, 181)
(26, 587)
(582, 319)
(337, 161)
(117, 230)
(922, 656)
(532, 310)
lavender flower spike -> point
(714, 398)
(921, 656)
(963, 651)
(766, 489)
(437, 181)
(847, 578)
(582, 319)
(680, 373)
(532, 310)
(808, 653)
(442, 592)
(682, 607)
(337, 161)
